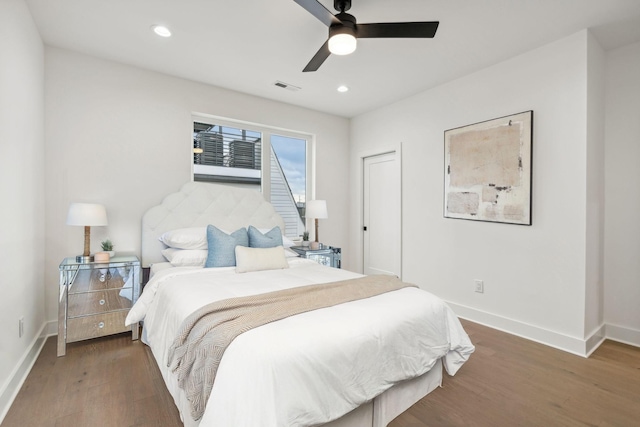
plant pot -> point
(305, 243)
(101, 257)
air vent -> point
(287, 86)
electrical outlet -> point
(20, 327)
(479, 286)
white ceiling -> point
(246, 45)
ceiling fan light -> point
(342, 44)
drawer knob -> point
(101, 302)
(101, 325)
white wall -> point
(121, 136)
(622, 183)
(21, 193)
(534, 276)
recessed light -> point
(343, 88)
(161, 30)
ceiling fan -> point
(343, 30)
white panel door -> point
(382, 215)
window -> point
(234, 152)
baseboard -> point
(22, 369)
(51, 328)
(596, 338)
(534, 333)
(623, 334)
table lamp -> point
(316, 209)
(86, 215)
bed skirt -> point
(393, 402)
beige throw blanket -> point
(204, 336)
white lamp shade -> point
(84, 214)
(316, 209)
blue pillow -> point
(222, 246)
(270, 239)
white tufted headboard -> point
(200, 204)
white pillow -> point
(259, 259)
(185, 257)
(288, 253)
(287, 242)
(186, 238)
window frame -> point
(267, 131)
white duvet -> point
(307, 369)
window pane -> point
(289, 181)
(224, 153)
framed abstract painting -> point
(487, 170)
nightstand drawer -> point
(99, 302)
(99, 279)
(81, 328)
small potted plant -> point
(107, 246)
(305, 238)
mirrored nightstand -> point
(326, 255)
(95, 298)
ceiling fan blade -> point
(318, 58)
(398, 30)
(319, 11)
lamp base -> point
(84, 259)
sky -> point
(292, 155)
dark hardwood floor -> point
(509, 381)
(110, 381)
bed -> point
(357, 364)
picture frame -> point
(487, 170)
